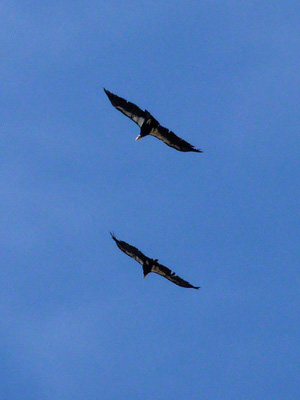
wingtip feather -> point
(113, 236)
(107, 92)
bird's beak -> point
(139, 137)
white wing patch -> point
(136, 118)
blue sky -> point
(77, 319)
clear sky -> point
(78, 321)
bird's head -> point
(138, 137)
(147, 268)
(147, 126)
(144, 132)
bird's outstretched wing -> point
(173, 140)
(131, 251)
(171, 276)
(127, 108)
(155, 266)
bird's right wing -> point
(127, 108)
(171, 276)
(131, 251)
(173, 140)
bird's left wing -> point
(131, 251)
(173, 140)
(171, 276)
(127, 108)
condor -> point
(150, 265)
(148, 124)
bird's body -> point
(148, 124)
(151, 265)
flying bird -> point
(148, 124)
(150, 265)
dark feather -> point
(127, 108)
(150, 265)
(148, 124)
(173, 140)
(131, 251)
(171, 276)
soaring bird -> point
(150, 265)
(148, 124)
